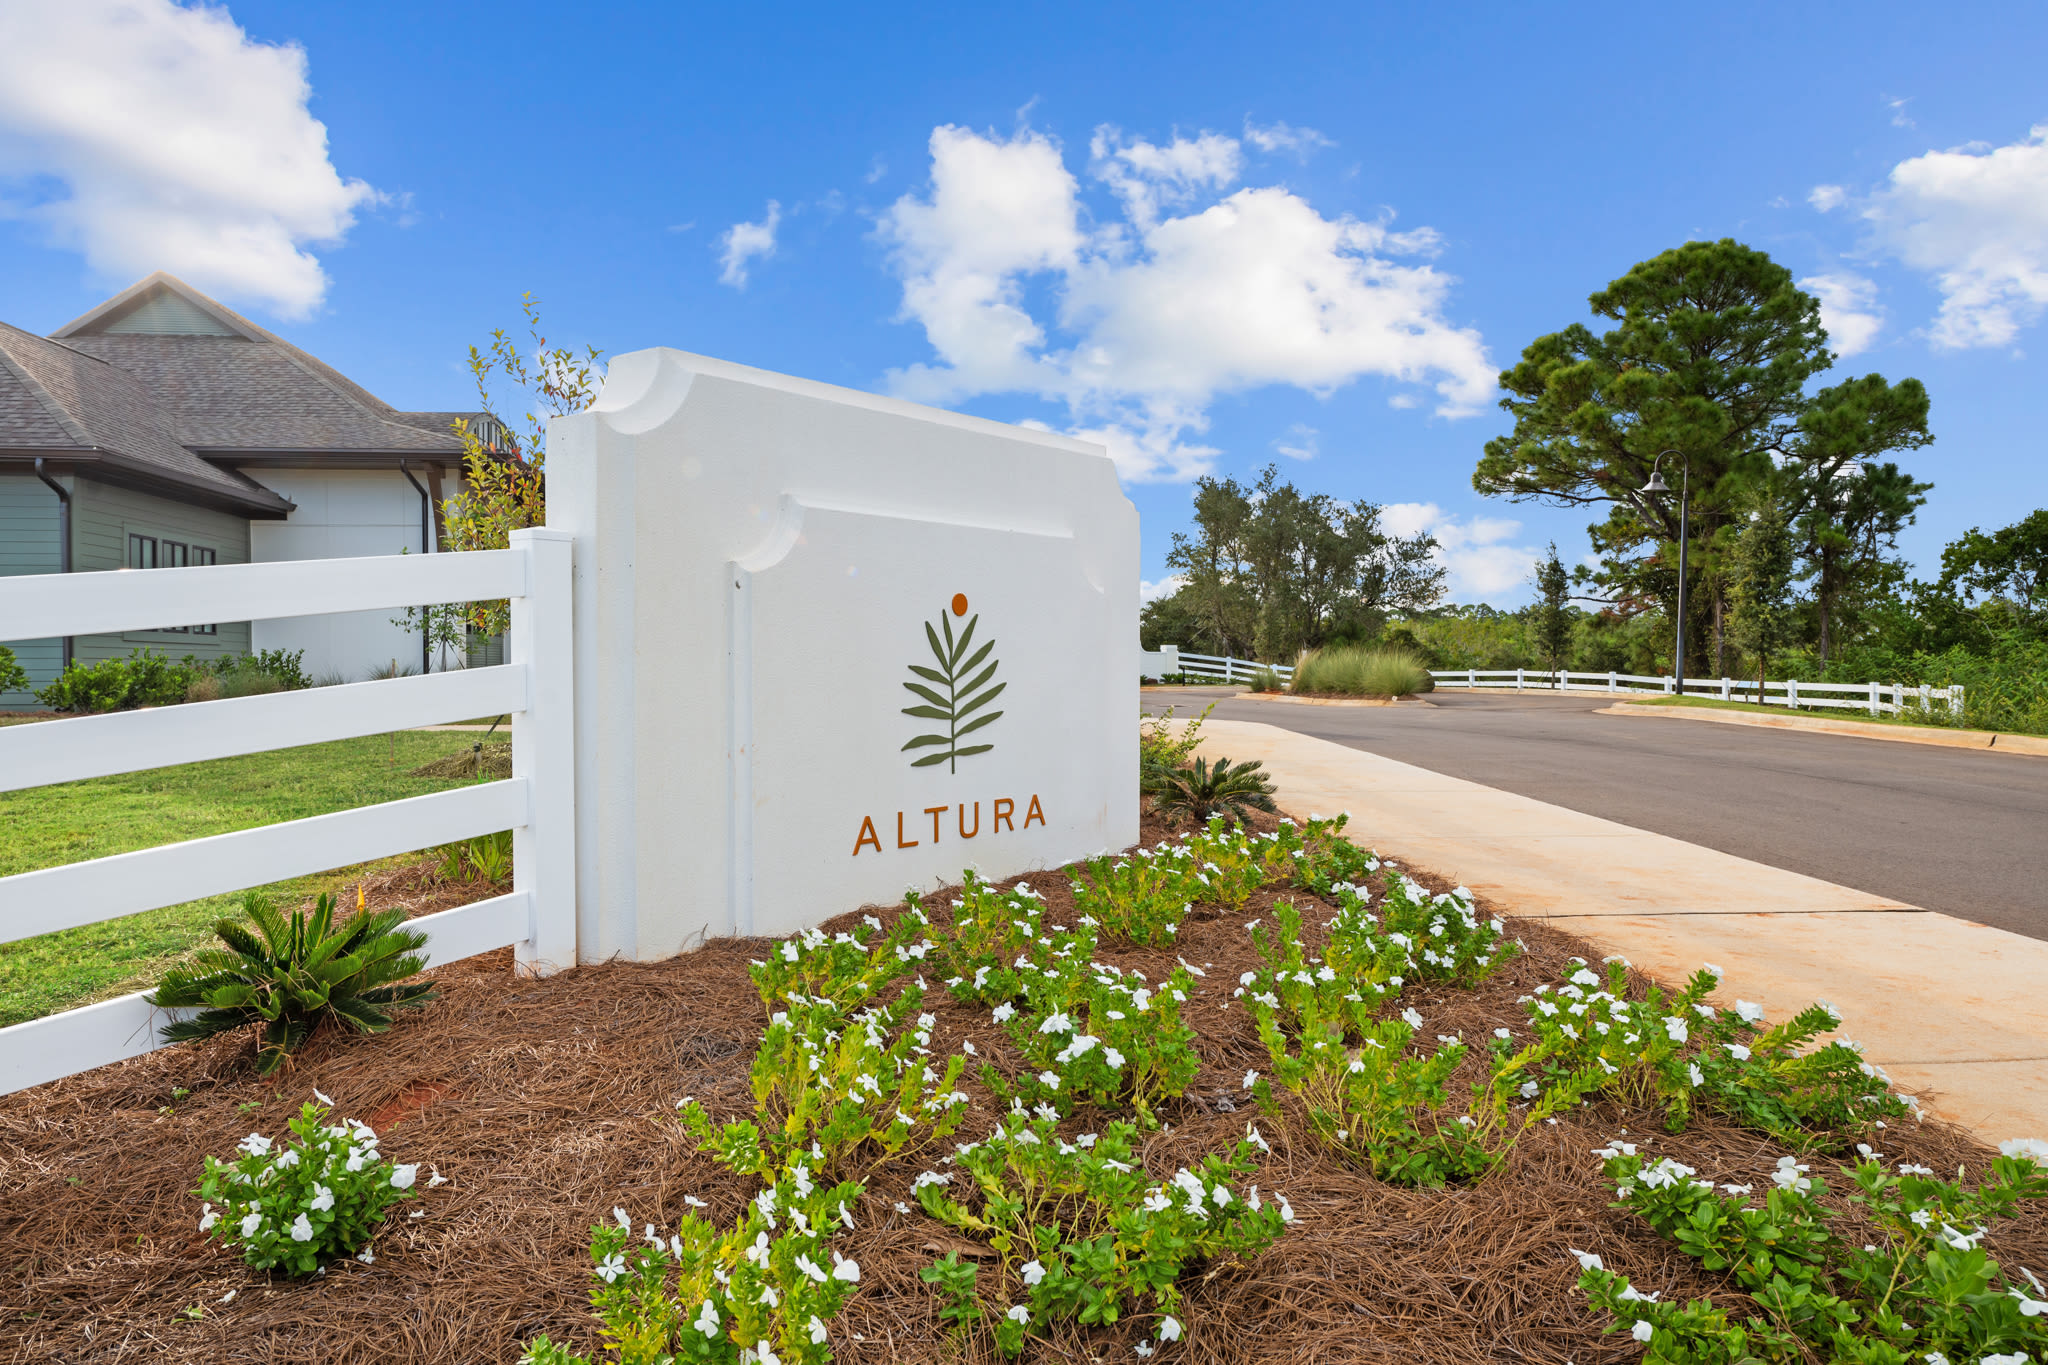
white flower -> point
(1251, 1078)
(1005, 1012)
(1056, 1022)
(1642, 1331)
(229, 1297)
(2033, 1148)
(624, 1219)
(2012, 1358)
(1714, 971)
(707, 1319)
(1922, 1218)
(1674, 1029)
(1032, 1272)
(207, 1218)
(1751, 1013)
(1169, 1329)
(402, 1176)
(323, 1199)
(1738, 1052)
(436, 1178)
(1530, 1090)
(1693, 1073)
(843, 1269)
(611, 1267)
(1286, 1209)
(1587, 1260)
(810, 1268)
(322, 1098)
(1049, 1079)
(1503, 1034)
(1412, 1016)
(1018, 1313)
(255, 1144)
(367, 1256)
(818, 1333)
(251, 1223)
(1144, 1349)
(302, 1230)
(1114, 1058)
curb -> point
(1335, 701)
(1997, 743)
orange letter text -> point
(1033, 813)
(1003, 815)
(867, 836)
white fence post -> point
(1791, 694)
(1874, 709)
(544, 752)
(1613, 683)
(1518, 680)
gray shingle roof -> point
(55, 400)
(169, 386)
(247, 390)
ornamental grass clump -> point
(1913, 1286)
(1357, 671)
(294, 1206)
(1084, 1234)
(286, 977)
(761, 1290)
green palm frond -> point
(965, 691)
(1201, 791)
(285, 976)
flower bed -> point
(547, 1105)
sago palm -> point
(1201, 791)
(288, 976)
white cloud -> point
(1899, 116)
(1195, 290)
(1848, 309)
(742, 242)
(1279, 137)
(1827, 198)
(1151, 591)
(1299, 443)
(1977, 220)
(149, 136)
(1482, 562)
(876, 170)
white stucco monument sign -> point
(830, 646)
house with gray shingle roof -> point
(163, 429)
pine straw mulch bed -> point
(549, 1102)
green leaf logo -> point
(954, 692)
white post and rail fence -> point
(1874, 698)
(537, 803)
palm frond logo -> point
(957, 692)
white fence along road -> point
(1873, 697)
(538, 917)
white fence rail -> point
(538, 917)
(1873, 698)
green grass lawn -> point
(49, 826)
(1836, 712)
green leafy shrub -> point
(1161, 745)
(844, 968)
(1681, 1053)
(285, 977)
(1200, 791)
(144, 678)
(1086, 1233)
(487, 858)
(13, 677)
(297, 1205)
(1095, 1032)
(1914, 1286)
(1266, 680)
(760, 1290)
(999, 940)
(1142, 898)
(830, 1087)
(1358, 671)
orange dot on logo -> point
(959, 604)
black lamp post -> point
(1657, 485)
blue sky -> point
(1215, 236)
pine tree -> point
(1760, 591)
(1553, 610)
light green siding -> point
(102, 519)
(29, 544)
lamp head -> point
(1656, 483)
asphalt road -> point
(1945, 829)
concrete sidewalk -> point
(1955, 1011)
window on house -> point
(158, 552)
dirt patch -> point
(547, 1103)
(479, 760)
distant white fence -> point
(1873, 698)
(538, 917)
